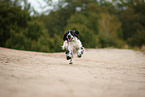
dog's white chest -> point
(74, 44)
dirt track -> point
(99, 73)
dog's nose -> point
(69, 36)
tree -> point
(79, 22)
(109, 31)
(132, 18)
(12, 19)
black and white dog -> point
(71, 44)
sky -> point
(39, 5)
(36, 4)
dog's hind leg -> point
(80, 52)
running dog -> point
(71, 44)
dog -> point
(71, 44)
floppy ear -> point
(77, 33)
(64, 37)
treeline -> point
(19, 30)
(119, 24)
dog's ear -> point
(64, 37)
(77, 33)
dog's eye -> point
(72, 33)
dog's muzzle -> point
(69, 38)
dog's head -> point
(71, 34)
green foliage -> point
(92, 13)
(109, 31)
(101, 24)
(34, 30)
(79, 22)
(19, 31)
(16, 41)
(138, 38)
(35, 38)
(133, 22)
(12, 18)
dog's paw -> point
(62, 47)
(79, 56)
(68, 57)
(80, 52)
(70, 62)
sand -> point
(99, 73)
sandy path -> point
(99, 73)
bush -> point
(138, 39)
(16, 40)
(12, 20)
(109, 31)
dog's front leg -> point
(65, 44)
(69, 52)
